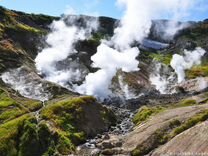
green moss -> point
(11, 114)
(8, 135)
(27, 28)
(22, 28)
(174, 123)
(145, 113)
(185, 103)
(66, 115)
(29, 104)
(5, 100)
(36, 139)
(29, 141)
(197, 71)
(71, 118)
(12, 106)
(163, 58)
(65, 112)
(70, 105)
(9, 108)
(97, 37)
(6, 103)
(155, 140)
(191, 122)
(65, 146)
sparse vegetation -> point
(191, 122)
(70, 117)
(145, 113)
(197, 71)
(163, 58)
(185, 103)
(8, 135)
(27, 28)
(158, 138)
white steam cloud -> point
(26, 83)
(162, 78)
(134, 27)
(181, 63)
(109, 61)
(61, 45)
(111, 55)
(128, 94)
(137, 20)
(167, 30)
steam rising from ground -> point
(112, 55)
(162, 78)
(134, 27)
(25, 83)
(181, 63)
(65, 33)
(136, 22)
(167, 30)
(128, 94)
(109, 61)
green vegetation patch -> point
(197, 71)
(161, 57)
(8, 135)
(185, 103)
(145, 113)
(70, 108)
(11, 114)
(97, 37)
(200, 117)
(9, 109)
(65, 115)
(27, 28)
(5, 100)
(12, 107)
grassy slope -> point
(64, 124)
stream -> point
(111, 139)
(37, 113)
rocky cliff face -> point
(55, 121)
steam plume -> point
(116, 53)
(134, 26)
(65, 33)
(181, 63)
(26, 84)
(108, 60)
(128, 94)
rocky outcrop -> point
(149, 135)
(192, 141)
(194, 85)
